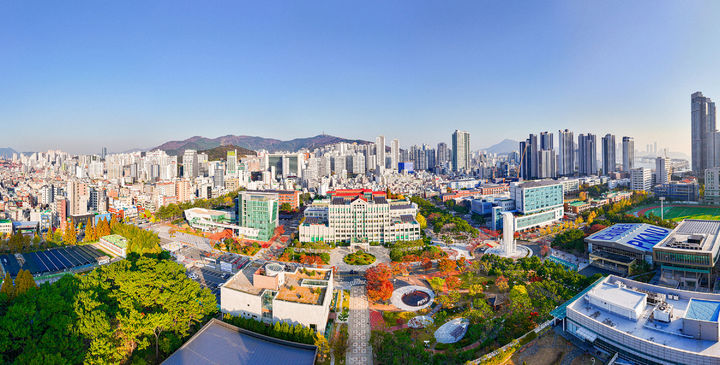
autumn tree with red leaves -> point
(379, 287)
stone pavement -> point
(359, 350)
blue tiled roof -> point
(703, 310)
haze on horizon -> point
(82, 75)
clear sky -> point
(79, 75)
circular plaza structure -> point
(412, 298)
(519, 252)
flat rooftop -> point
(703, 310)
(667, 334)
(621, 297)
(221, 343)
(695, 235)
(538, 183)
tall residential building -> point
(394, 154)
(258, 210)
(712, 186)
(546, 141)
(78, 197)
(641, 179)
(380, 151)
(190, 164)
(547, 161)
(703, 125)
(608, 154)
(662, 170)
(529, 158)
(460, 151)
(566, 153)
(587, 155)
(232, 161)
(442, 153)
(628, 153)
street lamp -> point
(662, 211)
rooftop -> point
(221, 343)
(299, 283)
(645, 328)
(694, 234)
(639, 236)
(538, 183)
(116, 240)
(703, 310)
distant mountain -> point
(506, 146)
(220, 153)
(251, 143)
(7, 152)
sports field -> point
(680, 212)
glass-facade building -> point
(260, 211)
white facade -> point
(641, 179)
(662, 170)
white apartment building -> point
(641, 179)
(662, 170)
(712, 185)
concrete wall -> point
(240, 303)
(702, 330)
(641, 347)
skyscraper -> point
(529, 158)
(394, 154)
(546, 157)
(703, 125)
(460, 151)
(587, 154)
(566, 153)
(442, 153)
(380, 151)
(628, 151)
(190, 164)
(608, 154)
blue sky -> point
(79, 75)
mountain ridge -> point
(253, 143)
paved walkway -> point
(382, 256)
(359, 351)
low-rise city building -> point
(274, 292)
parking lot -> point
(209, 278)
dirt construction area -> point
(550, 349)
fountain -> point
(509, 247)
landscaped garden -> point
(359, 258)
(290, 255)
(502, 299)
(242, 248)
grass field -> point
(680, 212)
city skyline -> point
(411, 75)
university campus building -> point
(357, 216)
(279, 292)
(643, 323)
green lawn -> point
(678, 213)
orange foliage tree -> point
(379, 287)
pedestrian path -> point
(359, 351)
